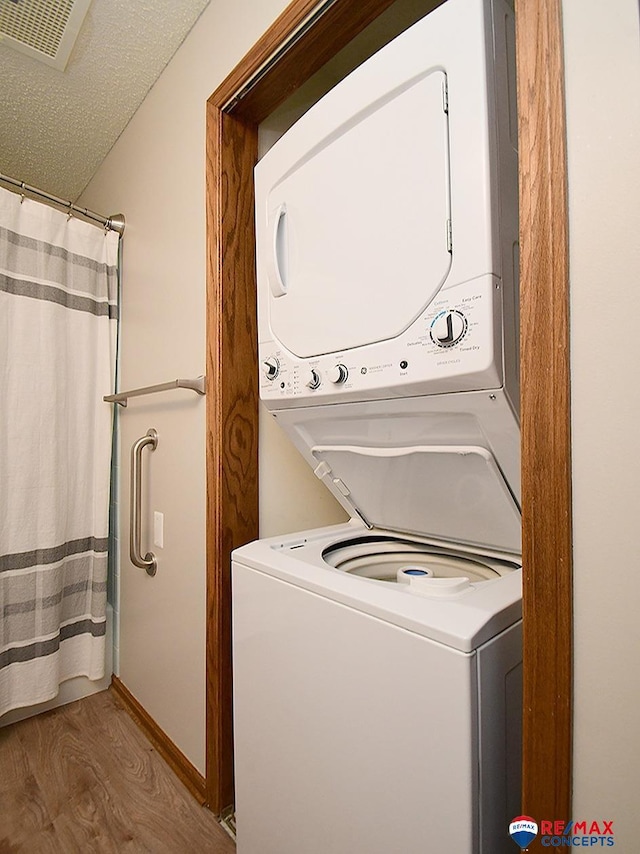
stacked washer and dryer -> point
(377, 664)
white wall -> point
(602, 56)
(155, 175)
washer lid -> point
(449, 492)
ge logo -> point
(363, 370)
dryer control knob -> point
(271, 367)
(338, 374)
(448, 328)
(314, 380)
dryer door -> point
(357, 227)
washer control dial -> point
(338, 374)
(448, 328)
(314, 380)
(271, 367)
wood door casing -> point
(545, 413)
(232, 371)
(232, 415)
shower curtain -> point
(58, 307)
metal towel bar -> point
(198, 385)
(149, 562)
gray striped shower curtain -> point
(58, 306)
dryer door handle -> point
(277, 259)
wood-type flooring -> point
(83, 778)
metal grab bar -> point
(197, 385)
(149, 562)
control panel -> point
(454, 345)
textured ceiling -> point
(56, 127)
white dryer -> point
(377, 664)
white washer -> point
(377, 664)
(373, 716)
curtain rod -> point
(115, 222)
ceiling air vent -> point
(43, 29)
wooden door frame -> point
(270, 73)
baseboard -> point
(173, 756)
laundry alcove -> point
(299, 42)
